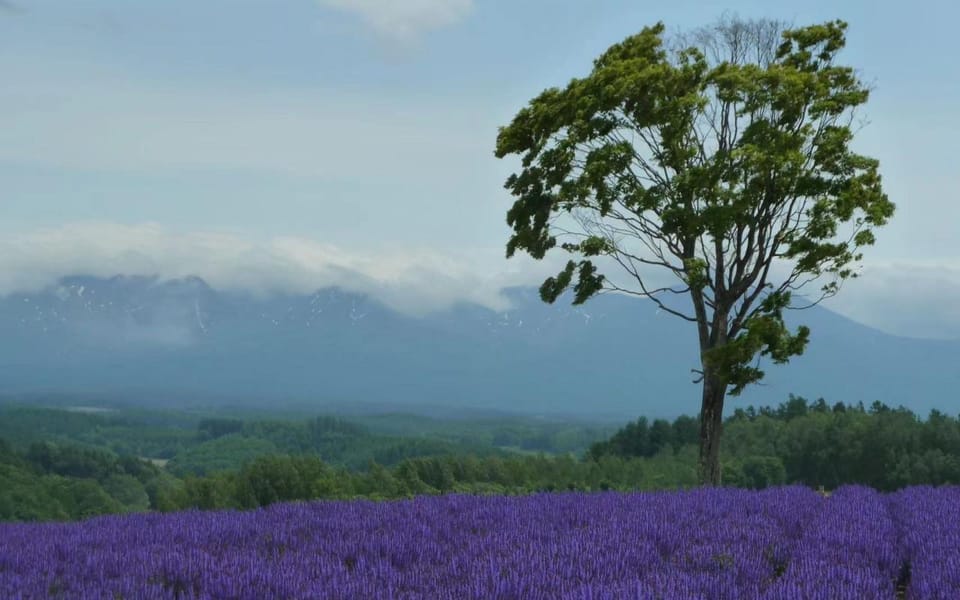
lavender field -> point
(711, 544)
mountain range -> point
(615, 357)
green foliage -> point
(73, 461)
(708, 162)
(213, 428)
(206, 493)
(337, 441)
(378, 483)
(478, 435)
(65, 446)
(22, 425)
(66, 481)
(821, 446)
(25, 496)
(220, 454)
(641, 439)
(797, 442)
(284, 478)
(82, 498)
(127, 491)
(128, 433)
(755, 472)
(763, 333)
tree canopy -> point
(719, 167)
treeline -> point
(229, 443)
(288, 478)
(67, 482)
(133, 432)
(64, 482)
(199, 444)
(813, 443)
(52, 469)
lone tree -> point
(719, 168)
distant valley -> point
(181, 342)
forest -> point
(60, 464)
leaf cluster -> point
(710, 164)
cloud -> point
(908, 298)
(914, 299)
(414, 281)
(404, 20)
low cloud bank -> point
(904, 298)
(907, 298)
(414, 281)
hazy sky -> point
(267, 143)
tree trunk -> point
(711, 426)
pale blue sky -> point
(362, 131)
